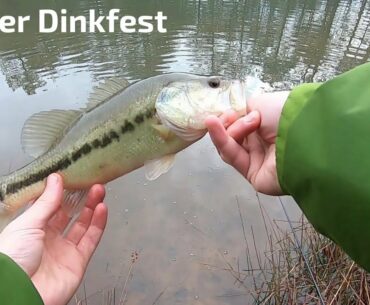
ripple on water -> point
(192, 209)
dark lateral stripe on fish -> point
(64, 163)
(87, 148)
(13, 188)
(84, 150)
(139, 118)
(127, 127)
(150, 113)
(113, 135)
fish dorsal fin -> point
(44, 129)
(105, 90)
(158, 167)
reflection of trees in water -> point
(18, 75)
(291, 40)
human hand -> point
(248, 143)
(55, 263)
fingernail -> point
(251, 117)
(53, 179)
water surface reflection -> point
(185, 226)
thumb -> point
(244, 126)
(270, 106)
(38, 215)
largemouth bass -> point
(123, 127)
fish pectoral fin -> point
(74, 201)
(105, 90)
(158, 167)
(44, 129)
(164, 131)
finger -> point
(46, 206)
(228, 118)
(91, 238)
(240, 129)
(270, 106)
(257, 155)
(61, 219)
(230, 151)
(217, 131)
(79, 228)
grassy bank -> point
(303, 267)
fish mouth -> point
(237, 97)
(243, 90)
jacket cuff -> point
(296, 101)
(16, 287)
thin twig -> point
(303, 256)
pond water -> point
(185, 227)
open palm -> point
(35, 241)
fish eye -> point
(214, 83)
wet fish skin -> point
(106, 142)
(119, 131)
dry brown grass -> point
(303, 267)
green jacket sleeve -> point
(323, 158)
(16, 287)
